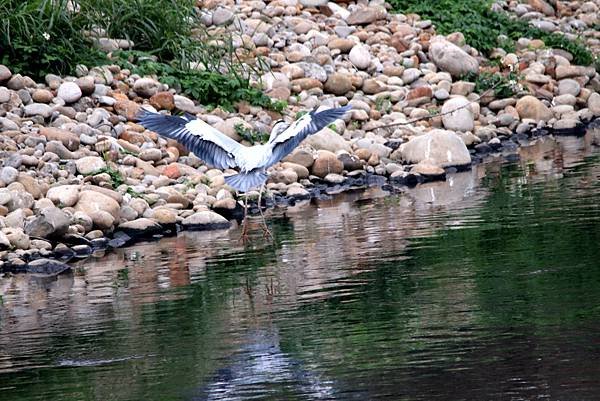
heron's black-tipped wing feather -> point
(207, 143)
(308, 124)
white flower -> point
(46, 35)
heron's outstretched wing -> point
(208, 143)
(308, 124)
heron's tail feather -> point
(243, 182)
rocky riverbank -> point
(78, 174)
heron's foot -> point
(244, 236)
(266, 232)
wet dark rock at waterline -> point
(205, 220)
(75, 247)
(43, 266)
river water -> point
(483, 287)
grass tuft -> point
(39, 37)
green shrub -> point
(208, 87)
(160, 27)
(250, 135)
(38, 37)
(53, 36)
(502, 85)
(482, 27)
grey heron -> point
(222, 152)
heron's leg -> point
(244, 236)
(266, 231)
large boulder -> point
(326, 162)
(205, 220)
(128, 109)
(533, 108)
(20, 200)
(38, 109)
(366, 15)
(594, 104)
(70, 92)
(5, 73)
(64, 195)
(339, 84)
(146, 87)
(51, 222)
(328, 139)
(67, 138)
(542, 6)
(301, 171)
(141, 226)
(17, 238)
(451, 58)
(89, 165)
(457, 114)
(8, 174)
(285, 175)
(441, 147)
(4, 242)
(302, 157)
(360, 57)
(97, 205)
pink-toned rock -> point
(399, 43)
(42, 96)
(307, 83)
(439, 147)
(542, 6)
(172, 171)
(280, 92)
(342, 44)
(533, 108)
(163, 101)
(366, 15)
(302, 157)
(97, 206)
(339, 84)
(326, 162)
(127, 108)
(69, 139)
(421, 91)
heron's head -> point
(277, 129)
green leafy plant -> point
(207, 87)
(501, 85)
(251, 135)
(116, 178)
(482, 26)
(205, 180)
(278, 105)
(354, 125)
(134, 193)
(433, 111)
(300, 114)
(383, 104)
